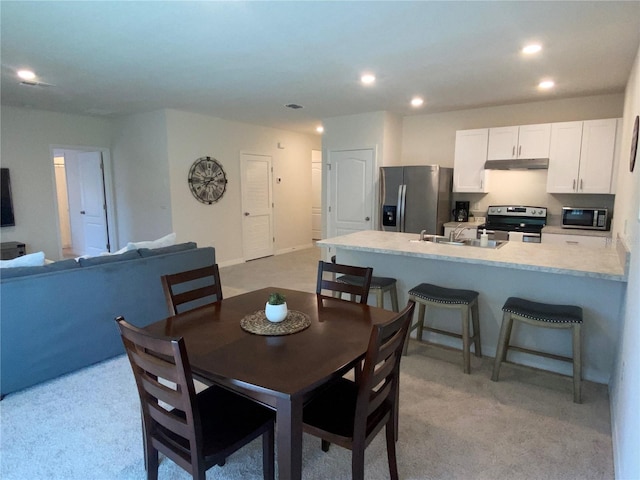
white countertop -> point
(574, 260)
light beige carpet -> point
(452, 426)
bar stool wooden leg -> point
(475, 318)
(379, 297)
(394, 298)
(503, 340)
(466, 344)
(577, 364)
(422, 311)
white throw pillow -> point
(30, 260)
(165, 241)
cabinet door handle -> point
(574, 185)
(572, 242)
(581, 187)
(513, 151)
(519, 150)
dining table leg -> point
(289, 437)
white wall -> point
(430, 139)
(625, 389)
(191, 136)
(26, 138)
(141, 178)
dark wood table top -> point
(219, 349)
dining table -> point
(281, 370)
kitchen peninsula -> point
(593, 278)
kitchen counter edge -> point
(605, 263)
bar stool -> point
(428, 295)
(541, 315)
(380, 285)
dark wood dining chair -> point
(196, 431)
(327, 273)
(190, 286)
(351, 414)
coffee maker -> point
(461, 212)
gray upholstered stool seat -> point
(428, 295)
(380, 285)
(541, 315)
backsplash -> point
(528, 187)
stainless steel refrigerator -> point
(415, 198)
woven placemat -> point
(257, 323)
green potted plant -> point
(276, 308)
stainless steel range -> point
(514, 222)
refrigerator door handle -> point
(402, 195)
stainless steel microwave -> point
(585, 218)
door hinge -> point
(108, 247)
(329, 165)
(329, 208)
(274, 239)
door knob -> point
(366, 219)
(82, 212)
(246, 214)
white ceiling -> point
(244, 61)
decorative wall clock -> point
(634, 144)
(207, 180)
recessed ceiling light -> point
(368, 78)
(417, 102)
(319, 129)
(26, 74)
(546, 84)
(533, 48)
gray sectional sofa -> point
(58, 318)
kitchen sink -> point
(461, 243)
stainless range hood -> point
(517, 164)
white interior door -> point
(316, 193)
(350, 191)
(93, 206)
(257, 206)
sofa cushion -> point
(150, 252)
(50, 267)
(91, 261)
(29, 260)
(165, 241)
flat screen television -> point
(6, 201)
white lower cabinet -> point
(572, 240)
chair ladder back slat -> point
(155, 366)
(177, 424)
(175, 299)
(330, 284)
(382, 361)
(378, 396)
(191, 295)
(176, 398)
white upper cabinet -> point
(525, 141)
(581, 156)
(470, 156)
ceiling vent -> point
(293, 106)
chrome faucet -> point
(423, 233)
(454, 235)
